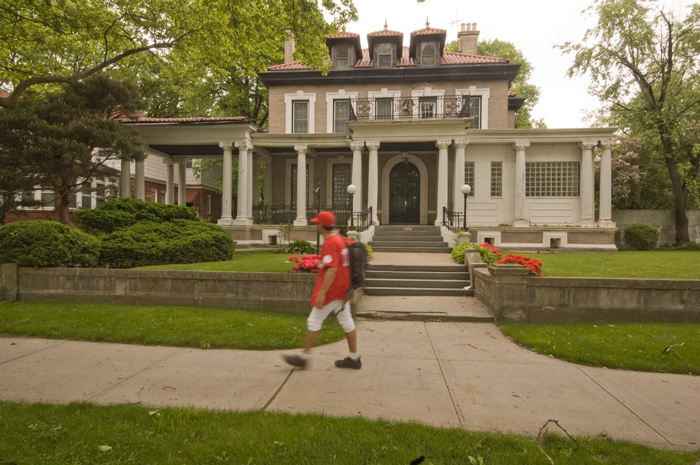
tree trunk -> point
(63, 206)
(680, 195)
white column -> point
(442, 179)
(244, 216)
(125, 181)
(169, 182)
(357, 174)
(268, 181)
(140, 181)
(227, 183)
(302, 190)
(182, 183)
(458, 197)
(605, 214)
(373, 179)
(253, 181)
(587, 184)
(520, 218)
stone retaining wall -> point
(511, 295)
(282, 292)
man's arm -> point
(325, 285)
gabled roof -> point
(347, 38)
(386, 36)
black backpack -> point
(357, 256)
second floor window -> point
(384, 55)
(300, 116)
(472, 107)
(341, 114)
(428, 107)
(384, 108)
(428, 54)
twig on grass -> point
(540, 438)
(671, 349)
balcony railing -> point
(377, 109)
(452, 220)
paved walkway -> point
(463, 375)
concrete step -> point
(415, 249)
(423, 308)
(411, 291)
(404, 238)
(416, 283)
(456, 268)
(408, 244)
(425, 275)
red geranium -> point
(535, 266)
(307, 264)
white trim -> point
(484, 93)
(288, 181)
(330, 107)
(386, 172)
(429, 92)
(384, 93)
(299, 95)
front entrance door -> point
(404, 194)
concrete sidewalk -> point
(443, 374)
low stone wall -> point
(281, 292)
(511, 295)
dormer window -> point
(342, 56)
(385, 55)
(428, 54)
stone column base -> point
(607, 224)
(521, 223)
(301, 222)
(243, 221)
(225, 221)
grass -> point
(672, 264)
(253, 261)
(130, 434)
(638, 347)
(161, 325)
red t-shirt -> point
(334, 254)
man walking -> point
(332, 285)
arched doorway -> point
(404, 194)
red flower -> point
(535, 266)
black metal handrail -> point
(447, 106)
(286, 214)
(452, 220)
(361, 221)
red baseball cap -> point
(326, 219)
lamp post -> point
(317, 193)
(351, 190)
(466, 189)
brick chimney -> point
(289, 47)
(468, 39)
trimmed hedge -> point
(640, 236)
(45, 243)
(178, 241)
(301, 247)
(121, 213)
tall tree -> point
(521, 84)
(643, 63)
(188, 42)
(62, 140)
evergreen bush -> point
(177, 241)
(47, 244)
(301, 247)
(121, 213)
(640, 236)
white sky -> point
(534, 27)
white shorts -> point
(342, 311)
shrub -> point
(535, 266)
(640, 236)
(489, 254)
(47, 244)
(301, 247)
(370, 251)
(178, 241)
(121, 213)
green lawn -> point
(657, 264)
(161, 325)
(639, 347)
(136, 435)
(253, 261)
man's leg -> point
(311, 337)
(352, 341)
